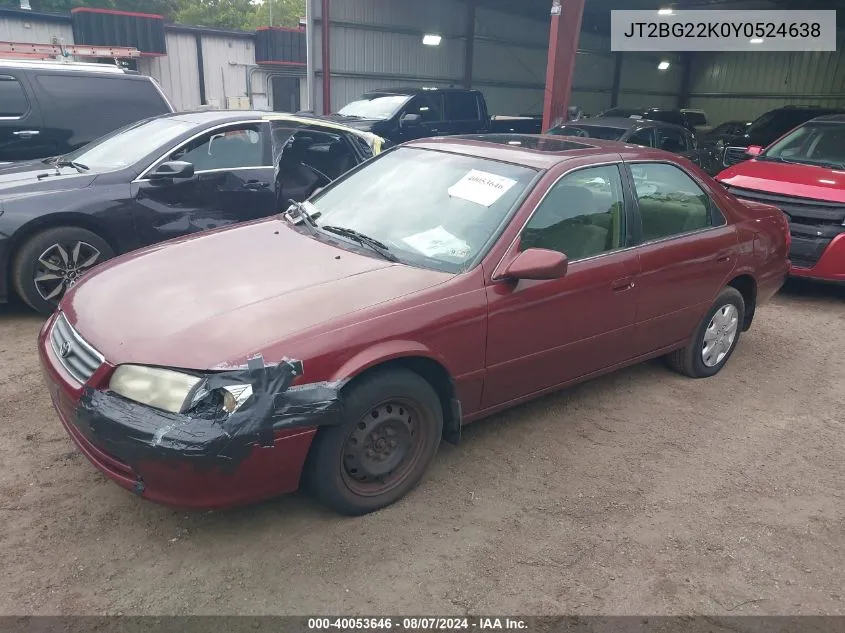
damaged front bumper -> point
(203, 458)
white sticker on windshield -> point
(481, 187)
(438, 242)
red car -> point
(439, 283)
(803, 173)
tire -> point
(45, 248)
(694, 360)
(398, 407)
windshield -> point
(374, 106)
(590, 131)
(128, 145)
(431, 209)
(811, 144)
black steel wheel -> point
(391, 434)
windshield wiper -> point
(363, 240)
(72, 163)
(302, 215)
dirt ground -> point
(639, 493)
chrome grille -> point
(734, 155)
(78, 358)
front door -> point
(21, 136)
(428, 106)
(233, 182)
(688, 251)
(546, 333)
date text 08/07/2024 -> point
(417, 624)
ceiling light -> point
(666, 11)
(431, 39)
(757, 40)
(664, 65)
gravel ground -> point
(641, 492)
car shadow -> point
(803, 288)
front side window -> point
(428, 105)
(583, 215)
(229, 148)
(643, 137)
(672, 140)
(13, 101)
(431, 209)
(820, 144)
(670, 202)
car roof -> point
(68, 67)
(530, 150)
(409, 91)
(623, 123)
(833, 118)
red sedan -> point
(439, 283)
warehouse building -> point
(501, 47)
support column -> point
(686, 79)
(563, 48)
(469, 57)
(327, 67)
(617, 79)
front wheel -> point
(52, 261)
(391, 433)
(715, 339)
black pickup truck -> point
(403, 114)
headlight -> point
(160, 388)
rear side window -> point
(13, 101)
(461, 106)
(89, 107)
(672, 140)
(643, 137)
(670, 202)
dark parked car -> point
(666, 115)
(155, 180)
(439, 283)
(665, 136)
(804, 175)
(768, 128)
(404, 114)
(48, 108)
(712, 145)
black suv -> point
(51, 108)
(768, 128)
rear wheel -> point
(390, 436)
(715, 340)
(52, 261)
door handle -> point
(27, 133)
(254, 185)
(724, 258)
(621, 285)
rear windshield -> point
(820, 144)
(590, 131)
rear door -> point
(233, 182)
(21, 136)
(686, 254)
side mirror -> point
(754, 150)
(173, 169)
(410, 120)
(537, 264)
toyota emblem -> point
(64, 350)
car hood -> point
(801, 181)
(365, 125)
(18, 179)
(212, 300)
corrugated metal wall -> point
(226, 62)
(377, 43)
(177, 72)
(35, 31)
(731, 86)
